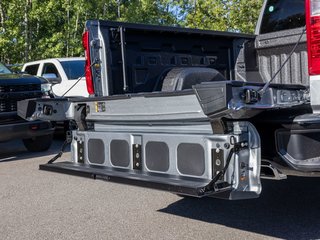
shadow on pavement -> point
(288, 209)
(15, 151)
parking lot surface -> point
(36, 204)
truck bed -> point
(136, 58)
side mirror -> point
(52, 78)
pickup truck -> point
(62, 73)
(195, 112)
(36, 136)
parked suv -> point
(37, 135)
(62, 73)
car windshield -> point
(4, 69)
(74, 69)
(283, 14)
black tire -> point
(66, 126)
(38, 144)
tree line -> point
(37, 29)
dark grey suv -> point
(36, 135)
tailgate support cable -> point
(211, 185)
(78, 80)
(64, 145)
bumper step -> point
(184, 186)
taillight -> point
(313, 35)
(88, 71)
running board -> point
(181, 185)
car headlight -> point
(46, 88)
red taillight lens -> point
(313, 35)
(88, 72)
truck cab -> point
(62, 73)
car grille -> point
(20, 88)
(11, 94)
(8, 105)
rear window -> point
(283, 14)
(73, 69)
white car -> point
(62, 73)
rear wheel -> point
(38, 144)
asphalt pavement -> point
(37, 204)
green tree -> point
(11, 33)
(244, 15)
(37, 29)
(224, 15)
(149, 11)
(208, 14)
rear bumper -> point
(25, 130)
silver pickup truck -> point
(198, 113)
